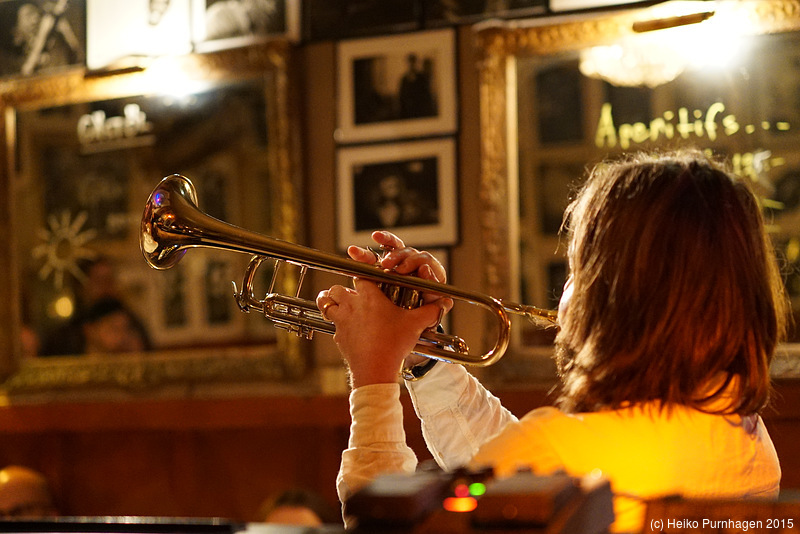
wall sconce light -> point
(124, 65)
(671, 22)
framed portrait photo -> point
(442, 12)
(408, 188)
(397, 86)
(24, 51)
(568, 5)
(221, 24)
(345, 19)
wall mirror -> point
(558, 98)
(83, 153)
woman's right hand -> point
(401, 259)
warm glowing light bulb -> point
(460, 504)
(64, 307)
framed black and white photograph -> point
(120, 32)
(345, 19)
(569, 5)
(471, 11)
(408, 188)
(221, 24)
(397, 86)
(38, 36)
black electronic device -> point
(398, 499)
(154, 525)
(122, 525)
(465, 502)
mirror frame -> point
(280, 362)
(498, 44)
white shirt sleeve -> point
(458, 414)
(377, 443)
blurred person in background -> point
(25, 493)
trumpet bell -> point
(161, 238)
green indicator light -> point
(476, 489)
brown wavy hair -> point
(677, 293)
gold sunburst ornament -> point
(63, 247)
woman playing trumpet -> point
(668, 323)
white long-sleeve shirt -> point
(644, 452)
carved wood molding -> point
(144, 373)
(78, 85)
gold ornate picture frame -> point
(272, 357)
(501, 47)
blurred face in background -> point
(24, 493)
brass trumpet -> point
(172, 222)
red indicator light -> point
(461, 490)
(460, 504)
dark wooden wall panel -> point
(206, 458)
